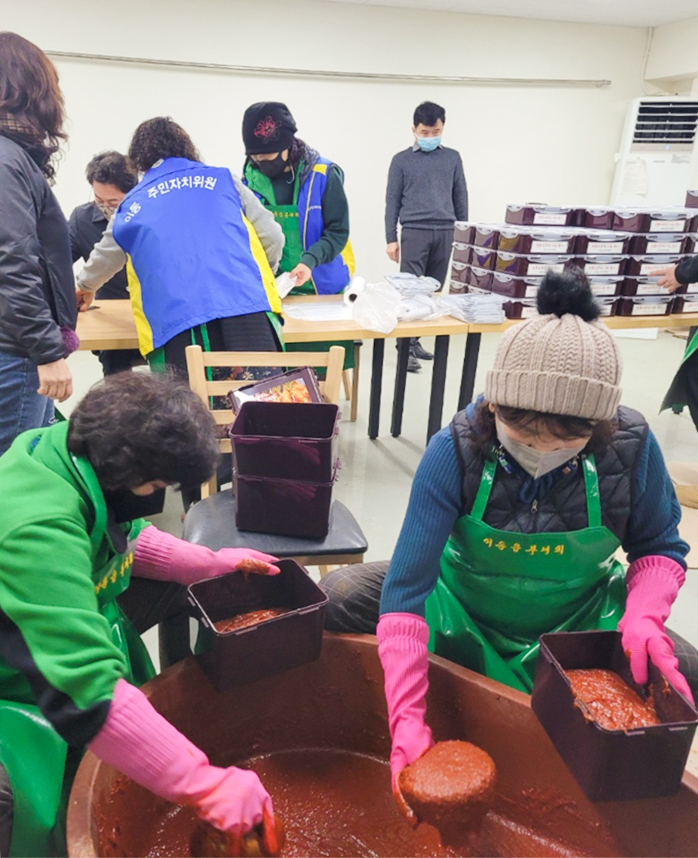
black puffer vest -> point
(564, 507)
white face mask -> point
(534, 462)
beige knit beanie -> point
(559, 364)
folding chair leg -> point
(347, 384)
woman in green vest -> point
(305, 193)
(515, 516)
(81, 576)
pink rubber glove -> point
(402, 649)
(138, 741)
(653, 583)
(165, 558)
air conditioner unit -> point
(658, 153)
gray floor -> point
(375, 477)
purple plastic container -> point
(282, 507)
(289, 441)
(610, 765)
(515, 287)
(645, 305)
(486, 235)
(692, 199)
(602, 265)
(649, 243)
(483, 257)
(631, 220)
(463, 232)
(263, 649)
(462, 253)
(607, 306)
(480, 278)
(459, 272)
(601, 241)
(641, 285)
(606, 287)
(647, 265)
(530, 265)
(538, 214)
(531, 239)
(598, 218)
(685, 303)
(669, 220)
(524, 309)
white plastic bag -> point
(418, 308)
(412, 284)
(377, 308)
(284, 284)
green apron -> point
(676, 395)
(499, 590)
(287, 218)
(31, 751)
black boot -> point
(418, 351)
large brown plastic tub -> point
(337, 702)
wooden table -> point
(110, 325)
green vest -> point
(52, 509)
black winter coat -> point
(37, 287)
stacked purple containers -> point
(619, 249)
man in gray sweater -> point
(427, 194)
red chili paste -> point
(610, 701)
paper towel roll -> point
(356, 286)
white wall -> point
(673, 55)
(518, 143)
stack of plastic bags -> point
(473, 307)
(408, 298)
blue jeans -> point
(21, 407)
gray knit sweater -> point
(426, 190)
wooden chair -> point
(211, 521)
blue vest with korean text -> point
(193, 255)
(333, 276)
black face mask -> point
(124, 505)
(272, 169)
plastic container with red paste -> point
(611, 764)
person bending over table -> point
(516, 513)
(110, 178)
(200, 249)
(305, 194)
(81, 576)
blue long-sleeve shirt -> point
(436, 502)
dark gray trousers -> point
(425, 252)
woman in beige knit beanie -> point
(516, 513)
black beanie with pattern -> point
(267, 127)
